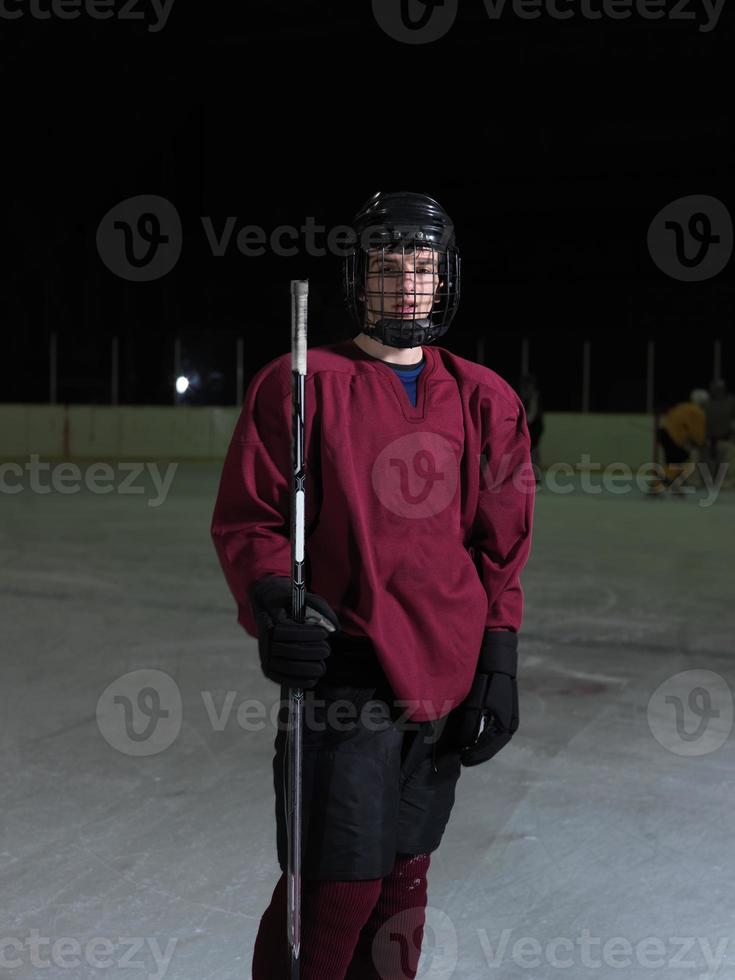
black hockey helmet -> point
(401, 234)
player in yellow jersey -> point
(682, 433)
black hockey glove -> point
(291, 653)
(487, 719)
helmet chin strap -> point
(404, 333)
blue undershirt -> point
(409, 376)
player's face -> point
(401, 286)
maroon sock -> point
(332, 915)
(393, 952)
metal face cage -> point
(404, 292)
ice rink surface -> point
(599, 843)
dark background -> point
(552, 144)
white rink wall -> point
(115, 432)
(203, 433)
(570, 437)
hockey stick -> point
(299, 299)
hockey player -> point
(419, 503)
(681, 435)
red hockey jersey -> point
(418, 518)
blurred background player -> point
(682, 435)
(414, 563)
